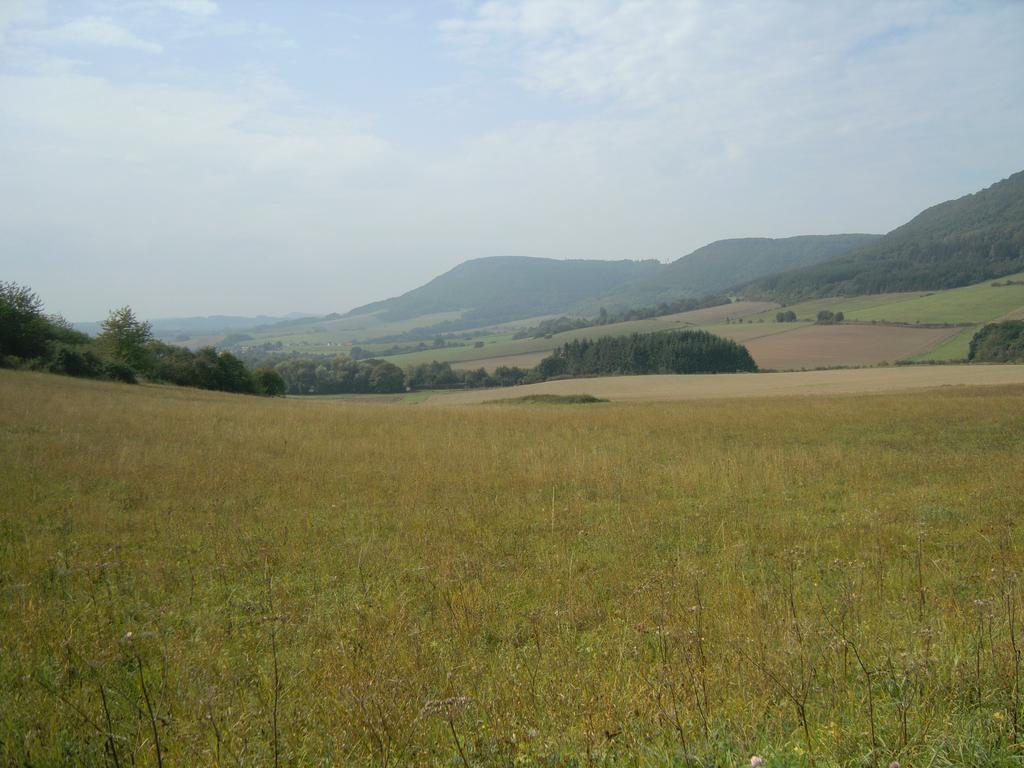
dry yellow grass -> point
(253, 582)
(756, 385)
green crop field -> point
(192, 578)
(979, 303)
(808, 310)
(954, 348)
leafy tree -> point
(999, 343)
(387, 377)
(787, 316)
(268, 382)
(125, 338)
(24, 329)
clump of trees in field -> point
(639, 353)
(124, 351)
(786, 316)
(828, 317)
(999, 343)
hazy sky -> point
(247, 156)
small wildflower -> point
(756, 761)
(894, 764)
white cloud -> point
(190, 7)
(14, 12)
(90, 30)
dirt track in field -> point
(715, 386)
(821, 346)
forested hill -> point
(974, 238)
(724, 264)
(503, 288)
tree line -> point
(639, 353)
(124, 351)
(562, 324)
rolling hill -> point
(723, 264)
(500, 288)
(503, 288)
(974, 238)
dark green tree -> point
(24, 330)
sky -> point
(197, 157)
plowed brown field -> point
(822, 346)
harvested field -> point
(741, 385)
(724, 312)
(822, 346)
(525, 360)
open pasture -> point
(979, 303)
(808, 310)
(203, 579)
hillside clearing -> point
(754, 385)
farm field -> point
(808, 310)
(196, 578)
(774, 346)
(822, 346)
(723, 312)
(529, 352)
(980, 303)
(754, 385)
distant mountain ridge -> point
(200, 324)
(500, 288)
(724, 264)
(503, 288)
(968, 240)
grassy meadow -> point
(191, 578)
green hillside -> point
(974, 238)
(496, 289)
(724, 264)
(504, 288)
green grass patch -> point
(808, 310)
(955, 347)
(975, 304)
